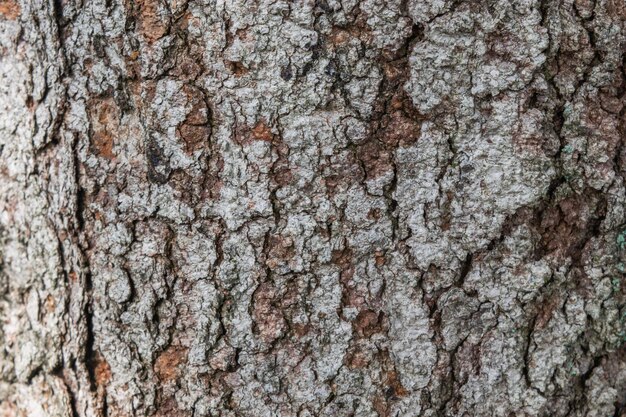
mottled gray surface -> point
(312, 208)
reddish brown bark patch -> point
(103, 143)
(282, 175)
(194, 136)
(236, 68)
(223, 359)
(269, 321)
(401, 131)
(566, 226)
(546, 309)
(169, 408)
(260, 132)
(368, 323)
(187, 186)
(167, 364)
(467, 361)
(200, 112)
(10, 9)
(394, 386)
(616, 8)
(281, 250)
(392, 391)
(104, 117)
(343, 171)
(343, 259)
(49, 304)
(188, 66)
(356, 358)
(151, 25)
(379, 258)
(339, 36)
(376, 160)
(359, 30)
(102, 371)
(300, 329)
(196, 130)
(9, 409)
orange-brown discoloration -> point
(243, 34)
(167, 364)
(367, 323)
(152, 24)
(281, 251)
(281, 171)
(283, 176)
(104, 116)
(359, 30)
(169, 408)
(617, 8)
(10, 9)
(262, 132)
(199, 113)
(9, 409)
(213, 183)
(195, 131)
(223, 358)
(187, 187)
(194, 136)
(356, 359)
(238, 69)
(300, 329)
(393, 390)
(401, 130)
(49, 303)
(103, 142)
(394, 386)
(338, 36)
(268, 318)
(102, 371)
(374, 214)
(343, 259)
(446, 215)
(380, 258)
(343, 171)
(189, 66)
(546, 309)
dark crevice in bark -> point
(465, 269)
(90, 358)
(527, 352)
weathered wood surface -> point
(312, 208)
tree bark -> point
(312, 208)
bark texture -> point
(312, 208)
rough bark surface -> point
(312, 208)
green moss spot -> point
(621, 240)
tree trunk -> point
(312, 208)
